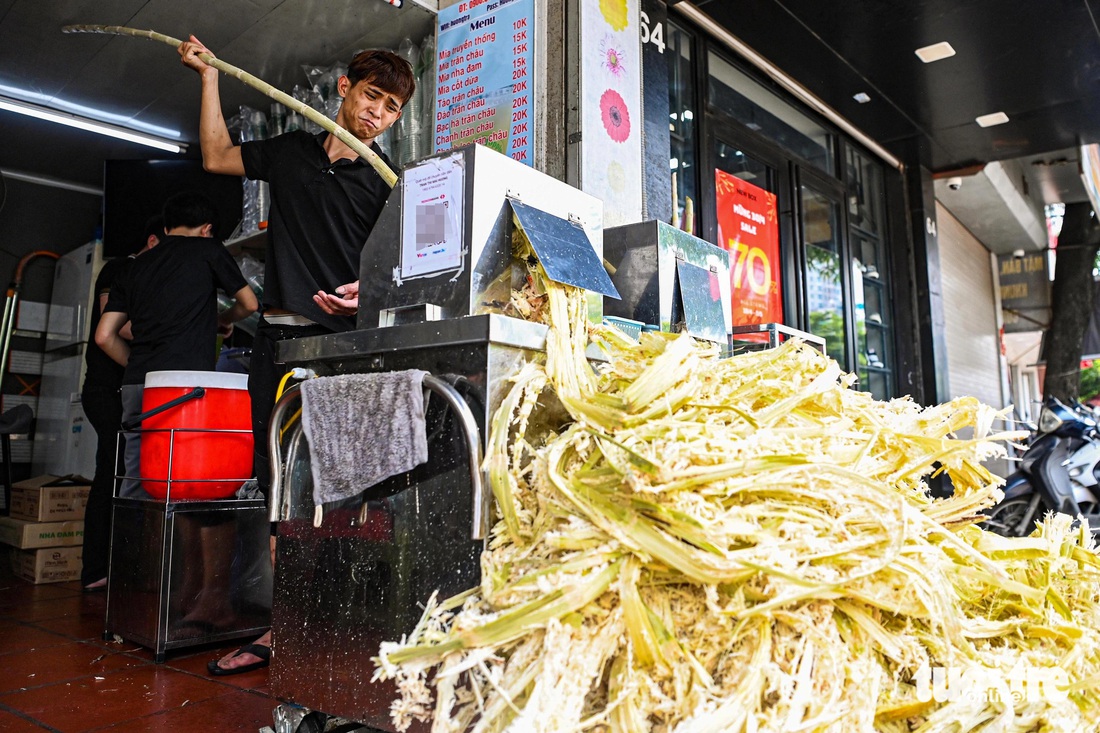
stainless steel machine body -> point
(185, 573)
(442, 247)
(364, 575)
(670, 279)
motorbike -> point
(1058, 473)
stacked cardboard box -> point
(46, 528)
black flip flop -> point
(256, 650)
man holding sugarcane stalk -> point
(325, 201)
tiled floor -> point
(57, 673)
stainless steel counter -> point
(332, 350)
(363, 576)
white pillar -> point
(608, 123)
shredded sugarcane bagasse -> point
(747, 544)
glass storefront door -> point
(824, 268)
(874, 323)
(800, 208)
(746, 193)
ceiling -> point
(1039, 62)
(141, 82)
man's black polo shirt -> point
(320, 217)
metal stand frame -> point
(777, 333)
(165, 554)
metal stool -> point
(16, 420)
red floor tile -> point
(231, 712)
(39, 609)
(17, 637)
(70, 661)
(73, 586)
(14, 724)
(81, 626)
(15, 592)
(91, 703)
(83, 620)
(57, 674)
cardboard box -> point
(29, 535)
(47, 564)
(50, 498)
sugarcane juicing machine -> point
(669, 279)
(436, 280)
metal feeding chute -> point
(701, 295)
(564, 250)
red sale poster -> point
(749, 229)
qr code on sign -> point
(431, 224)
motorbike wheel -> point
(1005, 518)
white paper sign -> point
(431, 224)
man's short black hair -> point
(154, 227)
(189, 209)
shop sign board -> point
(485, 84)
(1025, 291)
(748, 228)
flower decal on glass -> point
(614, 12)
(616, 119)
(616, 176)
(612, 56)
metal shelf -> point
(256, 242)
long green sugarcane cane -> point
(260, 85)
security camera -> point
(1018, 254)
(955, 183)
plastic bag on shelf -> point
(312, 98)
(247, 124)
(248, 324)
(277, 119)
(427, 82)
(253, 271)
(324, 82)
(408, 142)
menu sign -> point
(749, 229)
(484, 92)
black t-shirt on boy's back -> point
(170, 296)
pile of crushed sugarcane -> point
(688, 543)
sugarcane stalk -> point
(260, 85)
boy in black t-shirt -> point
(169, 296)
